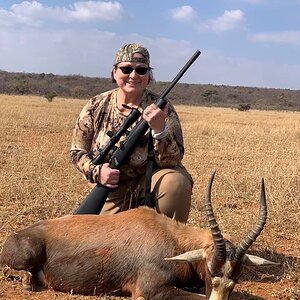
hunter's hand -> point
(109, 177)
(155, 117)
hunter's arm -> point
(82, 138)
(169, 150)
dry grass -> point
(38, 180)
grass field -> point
(39, 181)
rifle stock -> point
(95, 200)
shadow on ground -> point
(271, 273)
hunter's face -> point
(132, 77)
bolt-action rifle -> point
(95, 200)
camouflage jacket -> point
(101, 115)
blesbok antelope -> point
(132, 253)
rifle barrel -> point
(180, 74)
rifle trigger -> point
(115, 162)
(122, 146)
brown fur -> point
(90, 254)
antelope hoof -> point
(28, 287)
(26, 278)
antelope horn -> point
(255, 232)
(219, 243)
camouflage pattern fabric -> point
(101, 115)
(126, 53)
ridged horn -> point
(255, 232)
(219, 243)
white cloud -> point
(5, 18)
(183, 13)
(231, 19)
(27, 12)
(96, 10)
(279, 37)
(35, 14)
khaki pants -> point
(171, 190)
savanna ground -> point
(39, 182)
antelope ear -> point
(190, 256)
(252, 260)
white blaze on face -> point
(222, 286)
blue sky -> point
(243, 42)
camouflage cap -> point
(126, 53)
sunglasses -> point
(138, 70)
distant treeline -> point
(77, 86)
